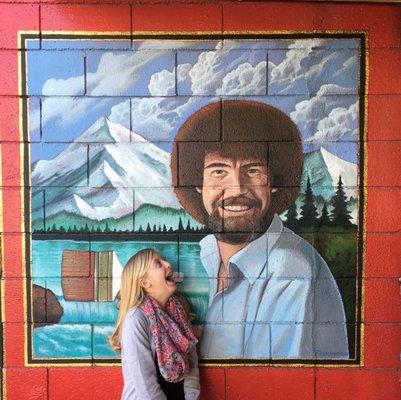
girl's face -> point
(158, 281)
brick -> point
(26, 383)
(341, 263)
(382, 300)
(13, 266)
(384, 118)
(348, 289)
(383, 252)
(381, 21)
(72, 383)
(101, 348)
(188, 252)
(212, 382)
(77, 343)
(14, 344)
(224, 72)
(96, 129)
(33, 124)
(13, 211)
(55, 73)
(383, 65)
(54, 169)
(286, 79)
(9, 124)
(380, 215)
(383, 160)
(11, 173)
(379, 337)
(88, 18)
(336, 384)
(150, 114)
(9, 72)
(103, 65)
(177, 18)
(75, 255)
(280, 383)
(255, 16)
(15, 18)
(13, 300)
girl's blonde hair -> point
(131, 292)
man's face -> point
(235, 194)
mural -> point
(238, 160)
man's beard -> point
(239, 229)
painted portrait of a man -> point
(271, 294)
(238, 160)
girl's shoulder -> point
(135, 316)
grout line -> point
(40, 26)
(176, 73)
(85, 80)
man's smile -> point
(237, 208)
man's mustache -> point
(238, 201)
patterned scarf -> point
(172, 336)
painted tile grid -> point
(128, 108)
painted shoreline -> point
(132, 236)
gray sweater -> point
(138, 356)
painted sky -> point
(154, 87)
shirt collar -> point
(250, 260)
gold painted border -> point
(314, 362)
(2, 287)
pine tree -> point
(164, 228)
(148, 228)
(292, 220)
(340, 214)
(180, 225)
(324, 219)
(54, 229)
(106, 228)
(140, 229)
(188, 227)
(308, 210)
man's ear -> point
(198, 189)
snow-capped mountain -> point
(109, 173)
(103, 175)
(324, 170)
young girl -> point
(153, 333)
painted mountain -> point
(111, 178)
(324, 170)
(91, 183)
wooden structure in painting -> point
(90, 275)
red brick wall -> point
(379, 375)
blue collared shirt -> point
(281, 301)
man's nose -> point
(236, 185)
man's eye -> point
(218, 172)
(253, 171)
